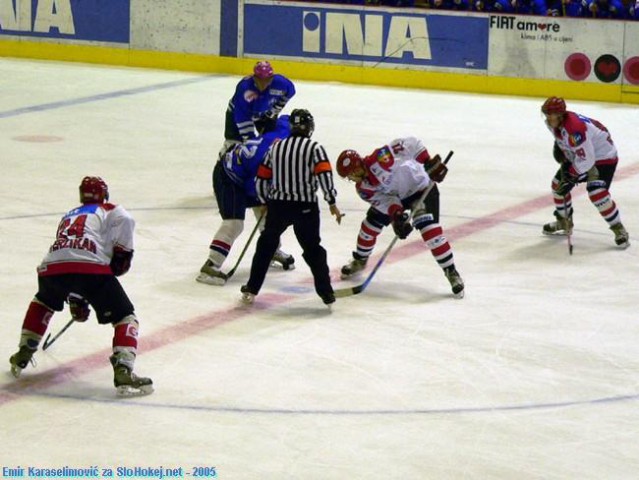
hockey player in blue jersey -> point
(256, 104)
(234, 186)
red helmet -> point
(347, 162)
(93, 190)
(554, 105)
(263, 70)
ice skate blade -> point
(278, 265)
(127, 391)
(459, 294)
(209, 280)
(16, 371)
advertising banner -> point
(394, 38)
(562, 49)
(90, 20)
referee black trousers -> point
(305, 218)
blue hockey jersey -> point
(248, 104)
(242, 161)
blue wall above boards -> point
(88, 20)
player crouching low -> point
(584, 149)
(392, 179)
(93, 246)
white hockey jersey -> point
(585, 142)
(86, 238)
(396, 172)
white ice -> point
(533, 375)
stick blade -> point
(347, 292)
(343, 292)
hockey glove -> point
(564, 188)
(121, 261)
(558, 154)
(568, 178)
(266, 123)
(566, 185)
(401, 224)
(78, 308)
(436, 169)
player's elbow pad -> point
(121, 261)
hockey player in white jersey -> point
(93, 246)
(392, 179)
(586, 153)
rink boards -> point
(504, 54)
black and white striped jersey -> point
(293, 170)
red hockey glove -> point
(436, 169)
(78, 308)
(401, 224)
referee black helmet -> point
(302, 123)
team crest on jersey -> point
(384, 156)
(250, 95)
(575, 139)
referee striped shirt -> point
(293, 170)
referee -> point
(287, 181)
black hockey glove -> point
(436, 169)
(564, 188)
(558, 154)
(401, 224)
(267, 122)
(121, 261)
(78, 308)
(567, 180)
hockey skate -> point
(456, 282)
(211, 275)
(282, 258)
(127, 383)
(562, 226)
(356, 265)
(622, 238)
(248, 296)
(21, 359)
(328, 299)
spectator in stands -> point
(566, 8)
(449, 4)
(606, 9)
(613, 9)
(522, 7)
(632, 9)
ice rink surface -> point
(533, 375)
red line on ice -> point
(32, 382)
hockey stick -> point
(47, 343)
(347, 292)
(569, 231)
(248, 242)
